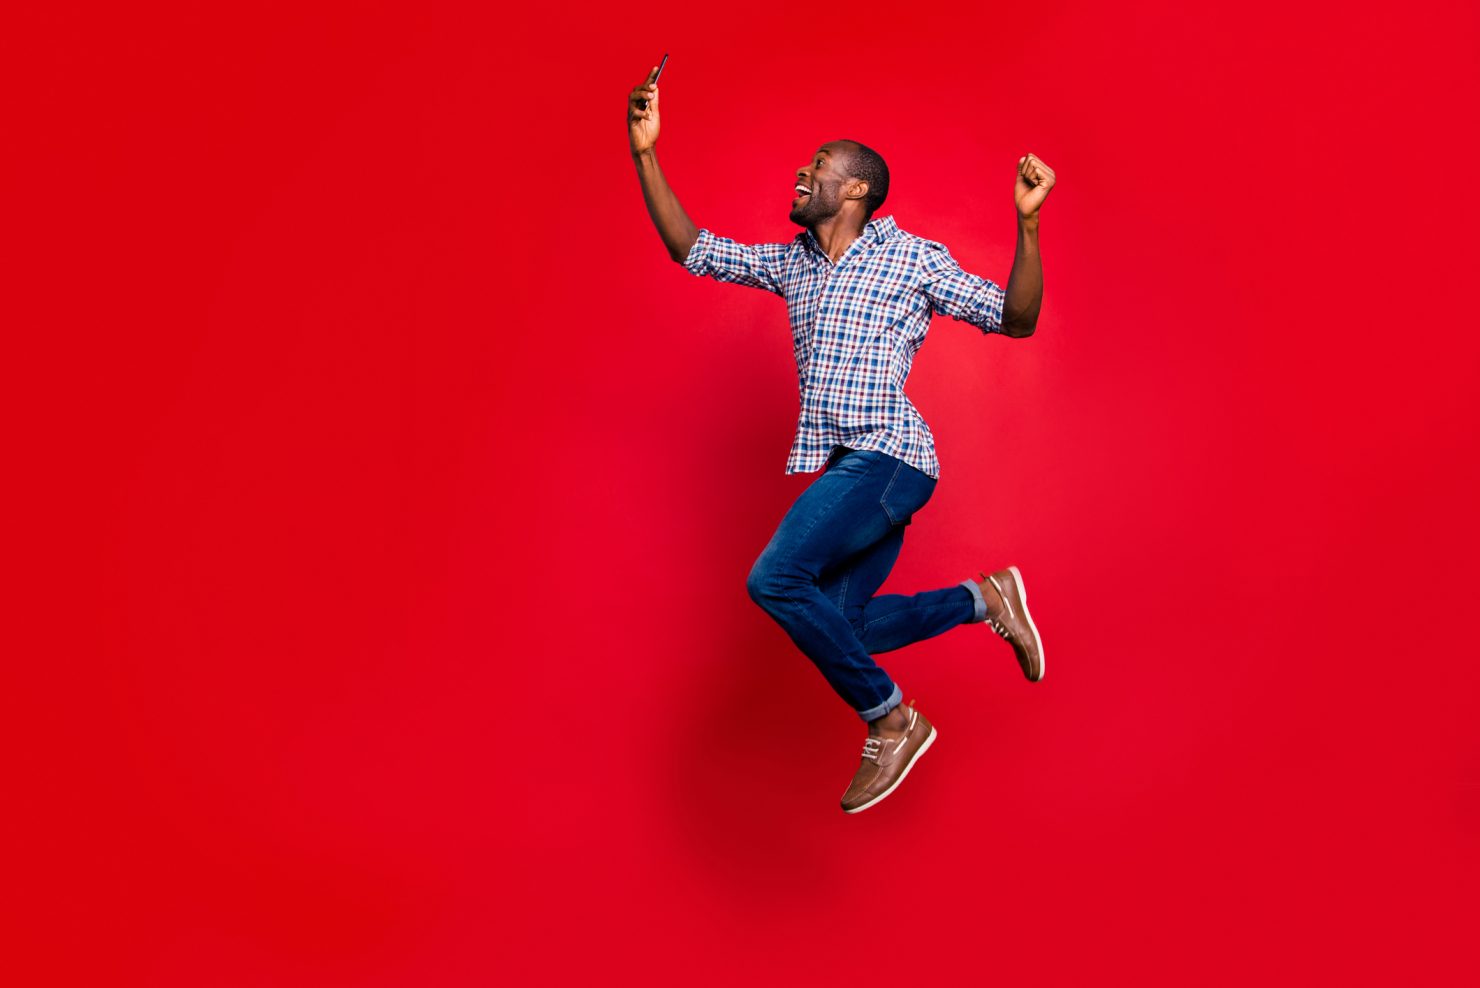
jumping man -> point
(860, 293)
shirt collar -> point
(883, 228)
(874, 231)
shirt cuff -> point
(699, 253)
(993, 302)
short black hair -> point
(866, 164)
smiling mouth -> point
(802, 192)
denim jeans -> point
(818, 575)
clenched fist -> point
(1034, 179)
(642, 124)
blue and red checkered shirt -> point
(855, 328)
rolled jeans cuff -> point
(874, 713)
(981, 602)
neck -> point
(835, 233)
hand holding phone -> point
(642, 116)
(653, 80)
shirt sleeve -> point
(755, 265)
(955, 293)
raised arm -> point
(674, 226)
(980, 301)
(1025, 283)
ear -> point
(856, 188)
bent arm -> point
(1025, 283)
(960, 294)
(674, 226)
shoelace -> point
(874, 747)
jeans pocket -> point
(906, 493)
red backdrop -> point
(386, 498)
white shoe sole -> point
(1023, 597)
(893, 785)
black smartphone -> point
(642, 103)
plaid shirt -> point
(855, 328)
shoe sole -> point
(1023, 599)
(895, 784)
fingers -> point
(1032, 169)
(642, 102)
(647, 91)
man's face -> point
(823, 179)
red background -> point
(384, 499)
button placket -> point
(814, 337)
(817, 315)
(822, 297)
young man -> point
(860, 293)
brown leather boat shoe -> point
(1008, 616)
(886, 761)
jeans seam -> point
(884, 498)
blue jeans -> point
(818, 576)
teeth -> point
(803, 190)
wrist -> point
(1028, 223)
(650, 153)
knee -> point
(756, 584)
(765, 583)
